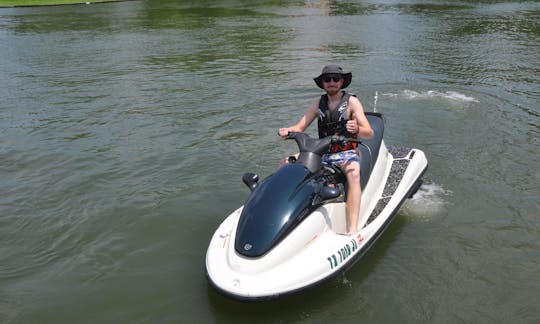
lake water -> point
(125, 129)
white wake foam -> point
(429, 201)
(448, 95)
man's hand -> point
(283, 132)
(352, 125)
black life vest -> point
(334, 122)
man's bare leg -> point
(354, 194)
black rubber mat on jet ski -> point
(396, 174)
(378, 209)
(399, 166)
(399, 152)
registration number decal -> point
(344, 253)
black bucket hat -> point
(334, 69)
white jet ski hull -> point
(316, 250)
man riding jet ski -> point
(296, 228)
(339, 113)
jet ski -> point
(290, 233)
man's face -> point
(332, 83)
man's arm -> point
(362, 127)
(304, 122)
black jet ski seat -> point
(369, 148)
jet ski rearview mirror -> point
(251, 180)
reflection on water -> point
(126, 128)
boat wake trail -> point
(448, 95)
(430, 201)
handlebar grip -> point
(290, 135)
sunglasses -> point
(333, 78)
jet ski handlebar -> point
(312, 149)
(318, 146)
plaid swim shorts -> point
(341, 158)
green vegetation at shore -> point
(22, 3)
